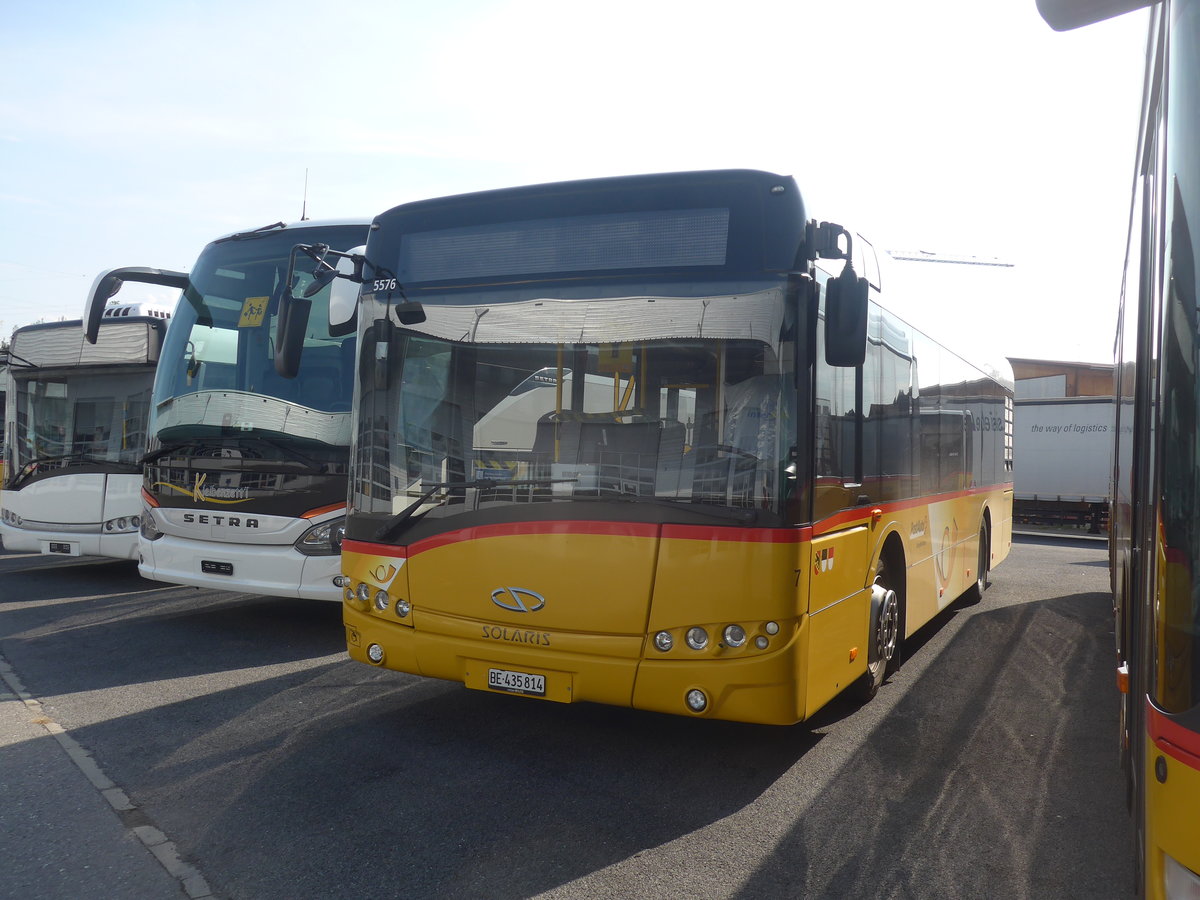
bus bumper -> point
(273, 570)
(762, 689)
(52, 543)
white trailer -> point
(1062, 459)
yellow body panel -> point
(1172, 823)
(580, 603)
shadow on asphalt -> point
(142, 638)
(952, 796)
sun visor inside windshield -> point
(757, 316)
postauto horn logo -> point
(518, 599)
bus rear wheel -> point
(884, 636)
(975, 591)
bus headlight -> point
(734, 635)
(697, 638)
(324, 539)
(1179, 882)
(122, 525)
(149, 525)
(663, 641)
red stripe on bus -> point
(863, 513)
(616, 529)
(375, 549)
(1173, 739)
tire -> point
(884, 635)
(982, 565)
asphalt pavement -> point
(69, 830)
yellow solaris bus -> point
(1155, 547)
(650, 441)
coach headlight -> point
(121, 525)
(663, 641)
(697, 638)
(149, 525)
(324, 539)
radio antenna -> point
(304, 203)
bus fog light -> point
(382, 601)
(696, 701)
(761, 642)
(771, 628)
(375, 653)
(663, 641)
(697, 638)
(734, 635)
(403, 608)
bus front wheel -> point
(884, 635)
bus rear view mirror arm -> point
(109, 282)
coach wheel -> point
(884, 635)
(975, 592)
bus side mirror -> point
(846, 319)
(107, 284)
(374, 353)
(343, 293)
(290, 326)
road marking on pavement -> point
(156, 843)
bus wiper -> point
(242, 235)
(389, 528)
(311, 464)
(163, 451)
(26, 471)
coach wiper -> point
(389, 528)
(30, 468)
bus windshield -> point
(218, 377)
(64, 421)
(664, 398)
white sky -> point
(132, 133)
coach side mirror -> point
(846, 319)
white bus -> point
(75, 433)
(245, 472)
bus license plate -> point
(56, 547)
(517, 682)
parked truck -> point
(1062, 461)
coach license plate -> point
(211, 567)
(56, 547)
(517, 682)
